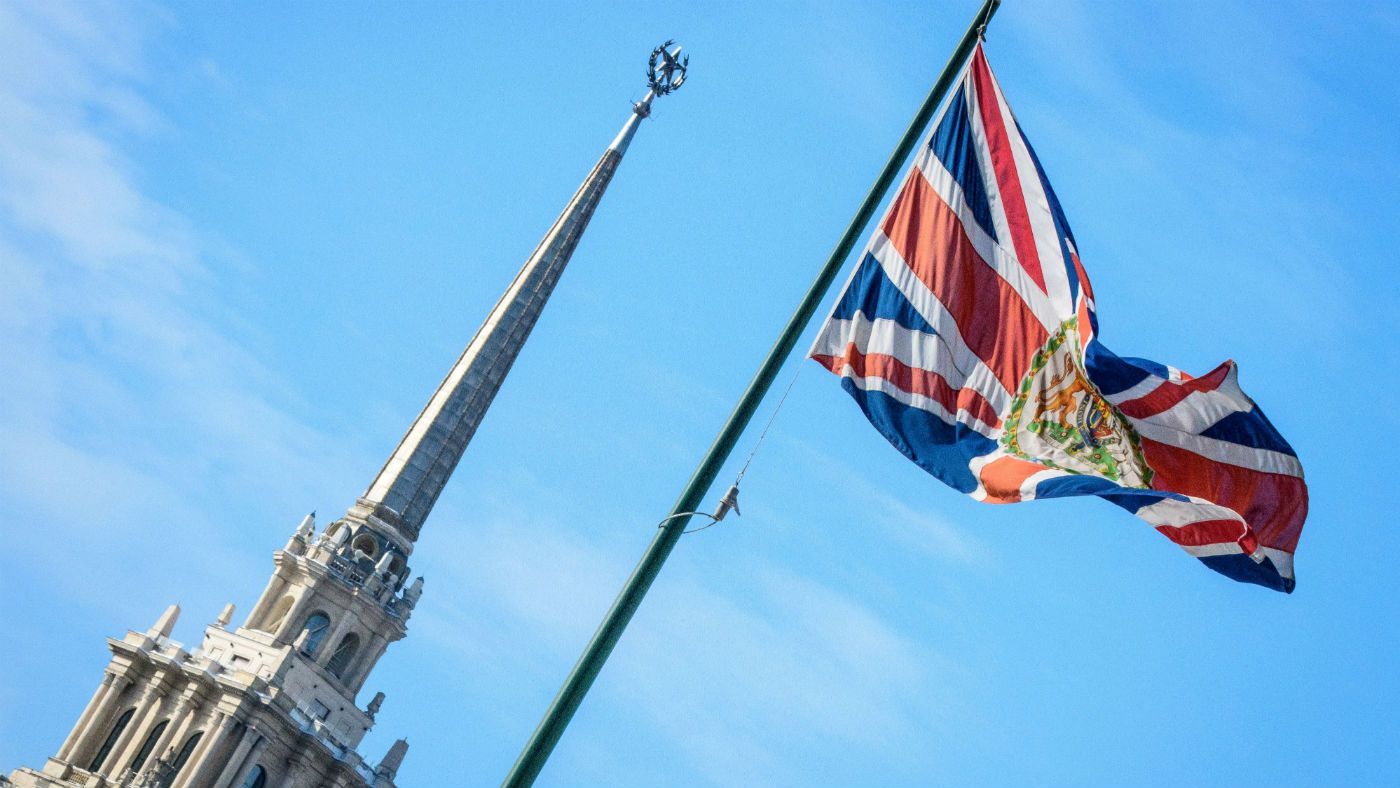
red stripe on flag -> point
(1273, 504)
(912, 380)
(992, 318)
(1171, 393)
(1013, 200)
(1086, 294)
(1084, 324)
(1207, 532)
(1002, 478)
(1083, 275)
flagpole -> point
(532, 758)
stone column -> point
(197, 718)
(204, 759)
(95, 707)
(369, 655)
(299, 772)
(178, 717)
(266, 600)
(300, 609)
(91, 731)
(248, 751)
(147, 709)
(340, 625)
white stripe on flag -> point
(1283, 560)
(1028, 486)
(1141, 389)
(1176, 514)
(1047, 239)
(1221, 451)
(926, 404)
(1210, 550)
(1200, 410)
(918, 349)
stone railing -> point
(345, 570)
(352, 575)
(342, 751)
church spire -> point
(408, 485)
(282, 709)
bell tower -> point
(273, 703)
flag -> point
(968, 336)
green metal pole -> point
(532, 758)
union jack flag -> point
(968, 336)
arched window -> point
(345, 652)
(277, 615)
(365, 544)
(111, 741)
(147, 746)
(257, 778)
(316, 627)
(185, 753)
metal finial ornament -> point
(666, 69)
(665, 72)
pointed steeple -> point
(335, 601)
(408, 485)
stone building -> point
(272, 703)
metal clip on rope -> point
(729, 502)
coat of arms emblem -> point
(1059, 419)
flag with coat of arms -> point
(968, 336)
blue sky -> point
(239, 246)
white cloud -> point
(125, 405)
(930, 534)
(741, 670)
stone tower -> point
(272, 703)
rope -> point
(747, 461)
(710, 524)
(776, 410)
(712, 521)
(982, 28)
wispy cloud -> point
(741, 649)
(125, 403)
(1239, 179)
(929, 534)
